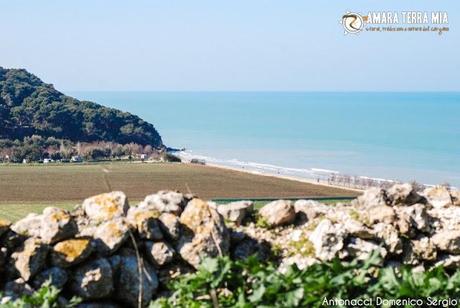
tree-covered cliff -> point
(29, 107)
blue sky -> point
(224, 45)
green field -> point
(30, 188)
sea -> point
(394, 136)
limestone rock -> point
(362, 249)
(448, 261)
(92, 280)
(106, 206)
(455, 196)
(30, 258)
(28, 226)
(448, 241)
(438, 196)
(357, 228)
(445, 218)
(205, 233)
(251, 247)
(128, 281)
(55, 275)
(145, 221)
(381, 214)
(4, 226)
(109, 236)
(71, 252)
(57, 225)
(301, 262)
(390, 237)
(165, 202)
(159, 253)
(170, 226)
(235, 211)
(327, 239)
(403, 194)
(424, 249)
(278, 213)
(415, 216)
(371, 197)
(308, 210)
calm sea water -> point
(403, 136)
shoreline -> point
(314, 176)
(280, 176)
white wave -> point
(325, 170)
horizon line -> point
(270, 91)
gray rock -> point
(403, 194)
(106, 206)
(448, 261)
(146, 222)
(28, 226)
(438, 196)
(71, 252)
(170, 226)
(362, 249)
(165, 202)
(412, 218)
(327, 239)
(235, 211)
(251, 247)
(308, 210)
(109, 236)
(455, 196)
(57, 225)
(159, 253)
(205, 233)
(390, 237)
(448, 241)
(424, 249)
(381, 214)
(371, 197)
(128, 281)
(277, 213)
(92, 280)
(30, 258)
(55, 275)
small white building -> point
(76, 159)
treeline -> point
(37, 148)
(30, 107)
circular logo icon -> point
(352, 22)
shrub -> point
(251, 283)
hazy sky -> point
(224, 45)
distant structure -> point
(76, 159)
(198, 161)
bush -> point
(46, 297)
(250, 283)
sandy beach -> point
(318, 182)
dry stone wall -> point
(112, 254)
